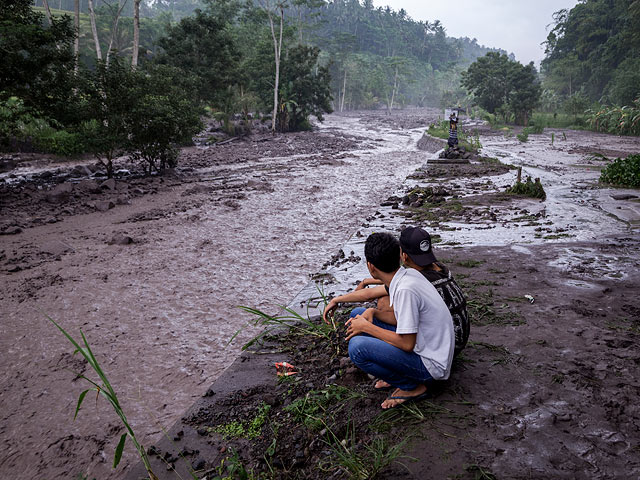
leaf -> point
(80, 399)
(118, 455)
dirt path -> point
(152, 270)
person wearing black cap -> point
(417, 252)
(417, 347)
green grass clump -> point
(528, 188)
(623, 172)
(250, 430)
(311, 409)
(523, 137)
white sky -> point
(517, 26)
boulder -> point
(88, 186)
(80, 171)
(104, 205)
(109, 184)
(60, 193)
(121, 239)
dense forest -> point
(593, 51)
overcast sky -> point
(517, 26)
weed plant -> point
(528, 188)
(105, 389)
(623, 172)
(523, 137)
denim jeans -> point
(398, 368)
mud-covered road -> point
(152, 269)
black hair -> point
(383, 251)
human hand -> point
(361, 285)
(329, 310)
(368, 314)
(356, 325)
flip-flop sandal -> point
(408, 398)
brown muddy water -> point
(159, 312)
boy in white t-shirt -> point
(412, 349)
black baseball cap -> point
(416, 243)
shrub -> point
(59, 142)
(533, 130)
(617, 120)
(623, 172)
(528, 188)
(523, 137)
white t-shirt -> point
(420, 309)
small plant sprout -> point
(105, 389)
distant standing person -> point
(453, 129)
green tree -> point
(109, 93)
(163, 116)
(488, 79)
(203, 45)
(37, 61)
(504, 86)
(305, 89)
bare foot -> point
(398, 397)
(381, 384)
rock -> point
(121, 239)
(623, 196)
(209, 393)
(104, 205)
(269, 399)
(80, 171)
(198, 464)
(60, 193)
(12, 230)
(416, 204)
(202, 431)
(6, 164)
(345, 362)
(109, 184)
(87, 186)
(14, 269)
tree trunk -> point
(344, 90)
(136, 33)
(76, 24)
(47, 10)
(114, 29)
(395, 86)
(94, 30)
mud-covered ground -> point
(152, 269)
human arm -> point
(368, 281)
(360, 324)
(362, 295)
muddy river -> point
(243, 224)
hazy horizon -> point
(519, 27)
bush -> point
(533, 130)
(523, 137)
(59, 142)
(528, 188)
(623, 172)
(617, 120)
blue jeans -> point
(403, 370)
